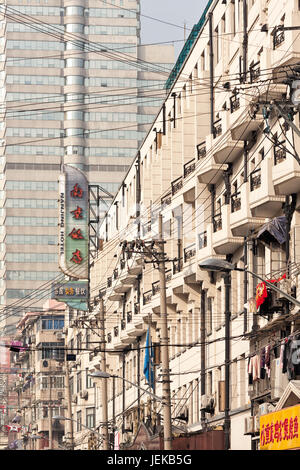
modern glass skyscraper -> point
(76, 87)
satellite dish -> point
(45, 363)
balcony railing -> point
(123, 324)
(122, 263)
(202, 240)
(115, 273)
(217, 222)
(255, 179)
(136, 308)
(109, 282)
(234, 103)
(129, 317)
(236, 203)
(177, 266)
(147, 227)
(278, 38)
(189, 252)
(176, 185)
(189, 168)
(217, 128)
(147, 297)
(254, 72)
(155, 287)
(168, 275)
(166, 200)
(201, 150)
(279, 154)
(109, 337)
(116, 331)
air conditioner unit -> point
(279, 381)
(208, 403)
(60, 335)
(265, 408)
(84, 394)
(249, 425)
(257, 424)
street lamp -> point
(106, 375)
(226, 267)
(59, 418)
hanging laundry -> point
(268, 360)
(262, 364)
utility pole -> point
(164, 343)
(69, 405)
(104, 382)
(50, 414)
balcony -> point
(204, 247)
(241, 219)
(177, 266)
(255, 179)
(279, 154)
(235, 103)
(117, 341)
(189, 168)
(254, 70)
(201, 150)
(166, 201)
(189, 252)
(227, 150)
(147, 297)
(155, 287)
(168, 275)
(177, 185)
(209, 172)
(263, 201)
(286, 176)
(217, 128)
(223, 240)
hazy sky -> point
(176, 12)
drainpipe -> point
(245, 40)
(211, 72)
(245, 285)
(203, 348)
(138, 194)
(288, 209)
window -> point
(209, 316)
(52, 323)
(52, 351)
(88, 382)
(79, 382)
(78, 421)
(90, 417)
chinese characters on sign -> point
(280, 430)
(73, 239)
(73, 293)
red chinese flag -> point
(261, 294)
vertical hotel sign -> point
(73, 223)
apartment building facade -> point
(76, 87)
(219, 164)
(38, 363)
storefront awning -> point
(273, 231)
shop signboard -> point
(280, 430)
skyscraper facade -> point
(77, 87)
